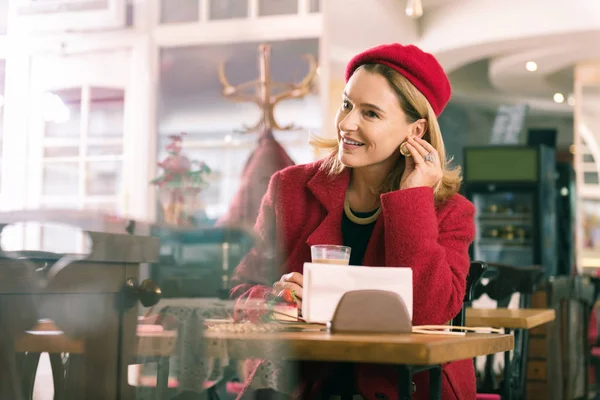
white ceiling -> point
(432, 4)
(485, 44)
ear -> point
(419, 127)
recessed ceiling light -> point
(414, 9)
(531, 66)
(558, 97)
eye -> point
(346, 105)
(371, 114)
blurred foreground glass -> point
(330, 254)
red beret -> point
(419, 67)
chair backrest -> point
(501, 283)
(507, 280)
(476, 270)
(594, 327)
(572, 298)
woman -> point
(387, 191)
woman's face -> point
(371, 124)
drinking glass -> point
(330, 254)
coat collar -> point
(330, 192)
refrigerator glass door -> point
(505, 228)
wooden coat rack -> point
(264, 88)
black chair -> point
(504, 281)
(595, 342)
(573, 299)
(476, 271)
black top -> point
(357, 236)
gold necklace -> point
(359, 220)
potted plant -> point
(179, 184)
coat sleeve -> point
(437, 252)
(257, 271)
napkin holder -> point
(371, 311)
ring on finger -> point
(418, 146)
(429, 157)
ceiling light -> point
(571, 100)
(558, 98)
(531, 66)
(414, 8)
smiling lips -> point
(351, 142)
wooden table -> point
(413, 349)
(521, 321)
(509, 318)
(46, 337)
(412, 353)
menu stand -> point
(382, 312)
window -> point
(315, 6)
(191, 101)
(201, 11)
(82, 151)
(177, 11)
(66, 15)
(277, 7)
(228, 9)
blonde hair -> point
(415, 106)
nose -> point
(349, 122)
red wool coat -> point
(303, 207)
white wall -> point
(355, 25)
(468, 125)
(3, 16)
(481, 122)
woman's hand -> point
(424, 168)
(293, 281)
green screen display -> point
(501, 164)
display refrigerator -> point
(513, 189)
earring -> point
(404, 150)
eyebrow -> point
(366, 104)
